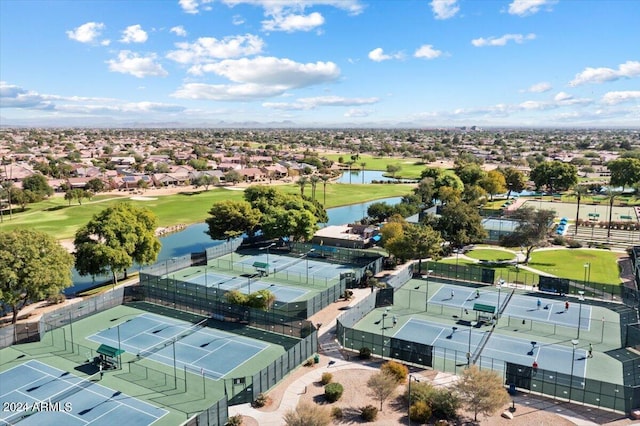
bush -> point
(326, 378)
(559, 240)
(365, 353)
(333, 392)
(309, 362)
(235, 420)
(420, 391)
(574, 244)
(336, 413)
(396, 370)
(54, 299)
(444, 404)
(261, 400)
(420, 412)
(368, 413)
(308, 414)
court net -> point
(184, 333)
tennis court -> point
(202, 350)
(301, 265)
(465, 298)
(244, 284)
(550, 311)
(455, 342)
(34, 393)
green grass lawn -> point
(569, 263)
(411, 167)
(55, 217)
(491, 255)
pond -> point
(368, 176)
(194, 239)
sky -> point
(320, 63)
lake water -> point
(368, 176)
(194, 239)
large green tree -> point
(115, 238)
(37, 184)
(229, 219)
(33, 266)
(554, 176)
(624, 171)
(494, 183)
(532, 230)
(460, 224)
(514, 179)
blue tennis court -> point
(465, 298)
(203, 350)
(550, 310)
(34, 393)
(463, 339)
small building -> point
(349, 236)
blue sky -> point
(362, 63)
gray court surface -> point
(245, 285)
(207, 351)
(457, 342)
(550, 310)
(34, 393)
(300, 265)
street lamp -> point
(426, 296)
(307, 256)
(587, 269)
(574, 343)
(411, 377)
(267, 249)
(471, 325)
(500, 284)
(384, 316)
(580, 300)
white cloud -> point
(613, 98)
(292, 22)
(444, 9)
(237, 20)
(274, 71)
(258, 78)
(139, 66)
(378, 55)
(529, 7)
(562, 96)
(315, 102)
(134, 34)
(179, 31)
(358, 113)
(428, 52)
(502, 41)
(12, 96)
(87, 33)
(272, 7)
(539, 87)
(206, 49)
(590, 75)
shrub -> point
(368, 413)
(235, 420)
(309, 362)
(261, 400)
(336, 413)
(308, 414)
(365, 353)
(559, 240)
(333, 392)
(419, 412)
(574, 244)
(54, 299)
(420, 391)
(326, 378)
(396, 370)
(444, 404)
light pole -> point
(580, 300)
(267, 249)
(411, 377)
(307, 258)
(426, 296)
(500, 284)
(471, 325)
(587, 267)
(574, 343)
(249, 281)
(384, 316)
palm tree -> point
(363, 164)
(325, 179)
(302, 182)
(611, 195)
(578, 192)
(314, 181)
